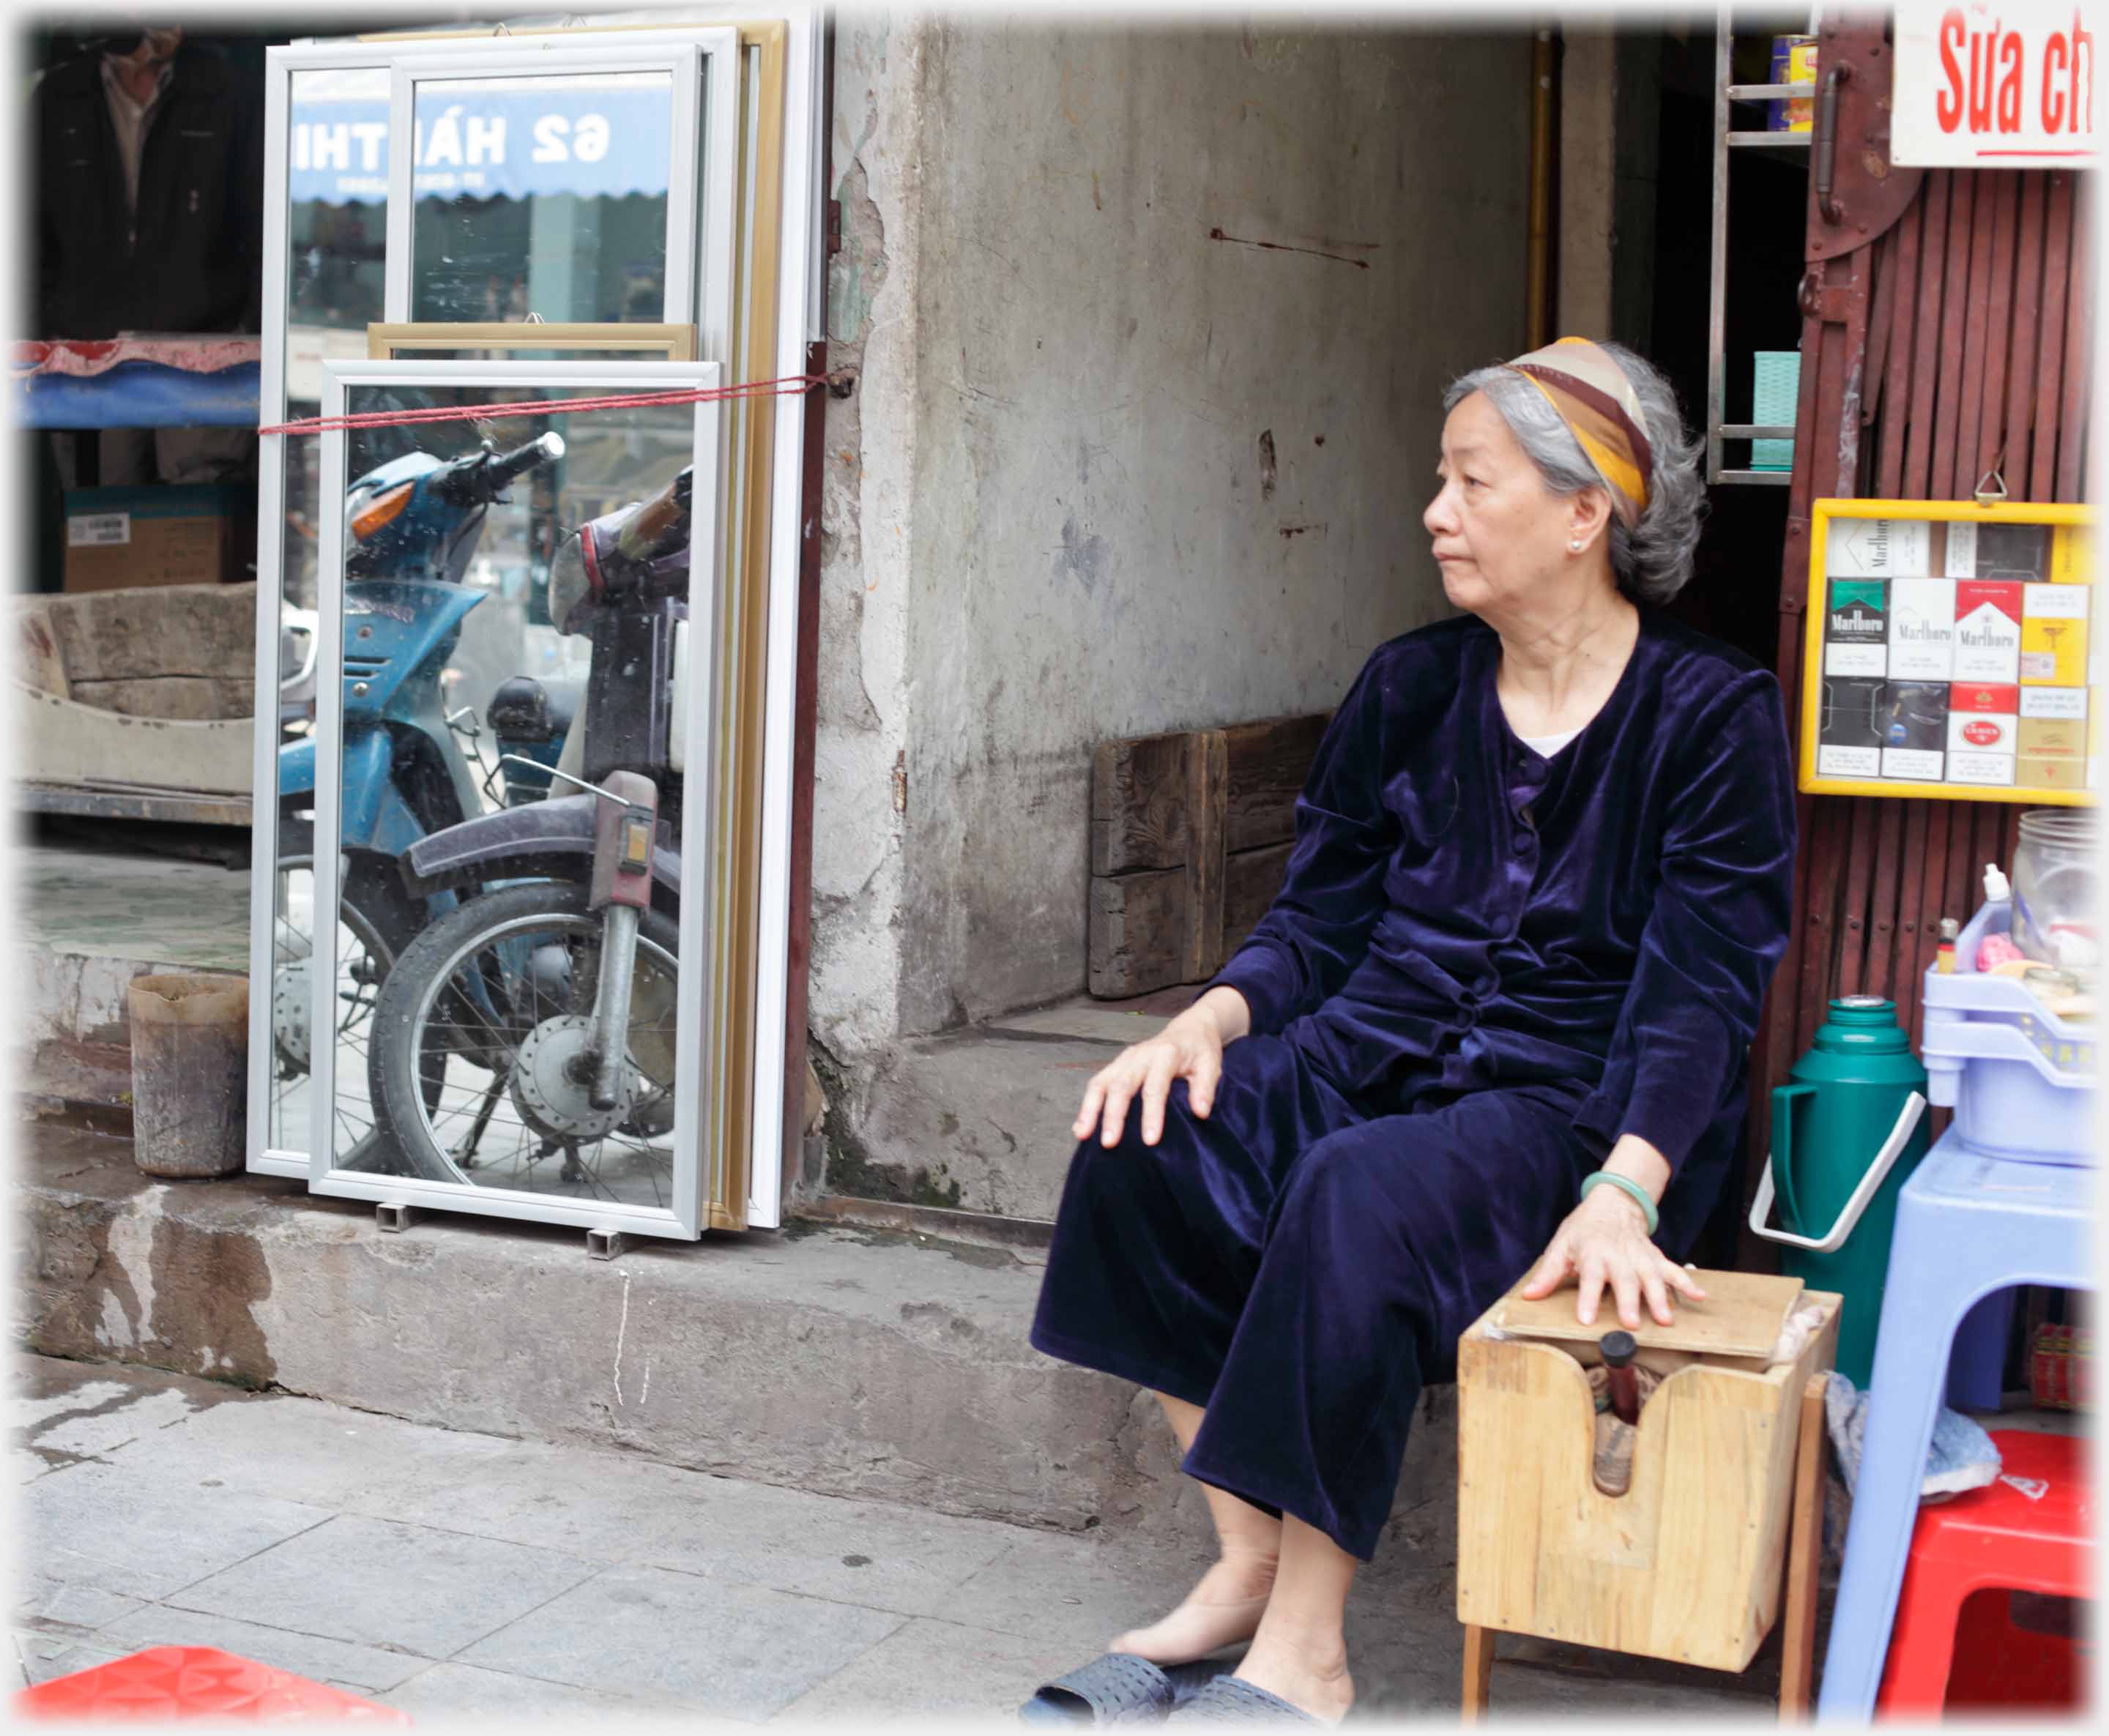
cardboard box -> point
(119, 538)
(1922, 629)
(2054, 635)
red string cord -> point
(786, 386)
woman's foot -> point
(1222, 1609)
(1319, 1685)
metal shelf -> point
(1791, 148)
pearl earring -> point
(1576, 547)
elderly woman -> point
(1495, 1024)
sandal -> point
(1229, 1699)
(1122, 1689)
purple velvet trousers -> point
(1301, 1266)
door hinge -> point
(834, 226)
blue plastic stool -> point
(1968, 1224)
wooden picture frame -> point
(390, 342)
(1899, 697)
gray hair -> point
(1653, 560)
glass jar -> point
(2058, 888)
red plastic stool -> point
(169, 1682)
(2036, 1537)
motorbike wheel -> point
(379, 917)
(507, 982)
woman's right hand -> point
(1190, 1047)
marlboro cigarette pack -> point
(1856, 627)
(1922, 629)
(1988, 630)
(2054, 634)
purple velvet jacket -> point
(1459, 914)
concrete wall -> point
(1112, 465)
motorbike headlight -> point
(570, 584)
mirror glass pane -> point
(544, 195)
(337, 171)
(515, 610)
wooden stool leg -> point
(1805, 1558)
(1478, 1671)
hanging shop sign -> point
(1996, 87)
(1949, 652)
(602, 140)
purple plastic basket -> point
(2021, 1082)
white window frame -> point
(683, 67)
(697, 1022)
(707, 304)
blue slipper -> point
(1122, 1689)
(1230, 1700)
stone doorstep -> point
(843, 1360)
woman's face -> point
(1499, 534)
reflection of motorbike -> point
(555, 999)
(413, 526)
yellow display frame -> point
(2062, 519)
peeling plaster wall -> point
(1112, 465)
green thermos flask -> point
(1846, 1134)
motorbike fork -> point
(622, 888)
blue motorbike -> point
(413, 525)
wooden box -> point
(1685, 1565)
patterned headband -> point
(1595, 398)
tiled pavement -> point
(449, 1573)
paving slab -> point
(927, 1670)
(120, 1530)
(350, 1579)
(364, 1669)
(525, 1592)
(459, 1692)
(718, 1647)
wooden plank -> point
(1479, 1672)
(1252, 880)
(1998, 299)
(1741, 1316)
(1880, 320)
(1926, 338)
(1269, 764)
(1804, 1558)
(1138, 804)
(1903, 344)
(2027, 336)
(2078, 358)
(1965, 876)
(2056, 276)
(1904, 947)
(1820, 914)
(1883, 893)
(1932, 894)
(1138, 932)
(38, 658)
(1955, 301)
(1977, 331)
(1857, 889)
(1208, 788)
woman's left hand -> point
(1604, 1241)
